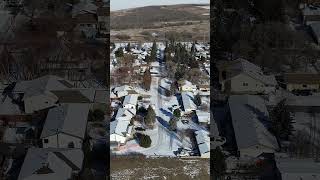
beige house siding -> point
(255, 151)
(291, 87)
(63, 139)
(245, 84)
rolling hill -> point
(140, 23)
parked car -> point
(183, 154)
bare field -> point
(136, 168)
(195, 31)
(190, 21)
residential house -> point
(310, 14)
(203, 117)
(103, 14)
(65, 126)
(51, 164)
(120, 129)
(243, 77)
(186, 86)
(298, 169)
(120, 91)
(130, 102)
(187, 101)
(203, 142)
(155, 68)
(85, 15)
(87, 24)
(37, 93)
(203, 87)
(250, 119)
(302, 81)
(305, 104)
(19, 101)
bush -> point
(177, 113)
(119, 52)
(144, 140)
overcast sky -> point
(125, 4)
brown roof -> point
(301, 78)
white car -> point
(183, 153)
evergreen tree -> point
(144, 140)
(153, 54)
(193, 49)
(177, 113)
(219, 163)
(150, 119)
(119, 52)
(281, 121)
(146, 81)
(197, 100)
(128, 47)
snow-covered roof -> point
(298, 169)
(243, 66)
(155, 64)
(311, 11)
(122, 88)
(203, 141)
(83, 7)
(8, 107)
(124, 114)
(187, 100)
(70, 119)
(119, 127)
(248, 113)
(42, 85)
(120, 91)
(50, 163)
(315, 28)
(131, 99)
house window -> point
(224, 75)
(245, 84)
(304, 85)
(46, 141)
(71, 145)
